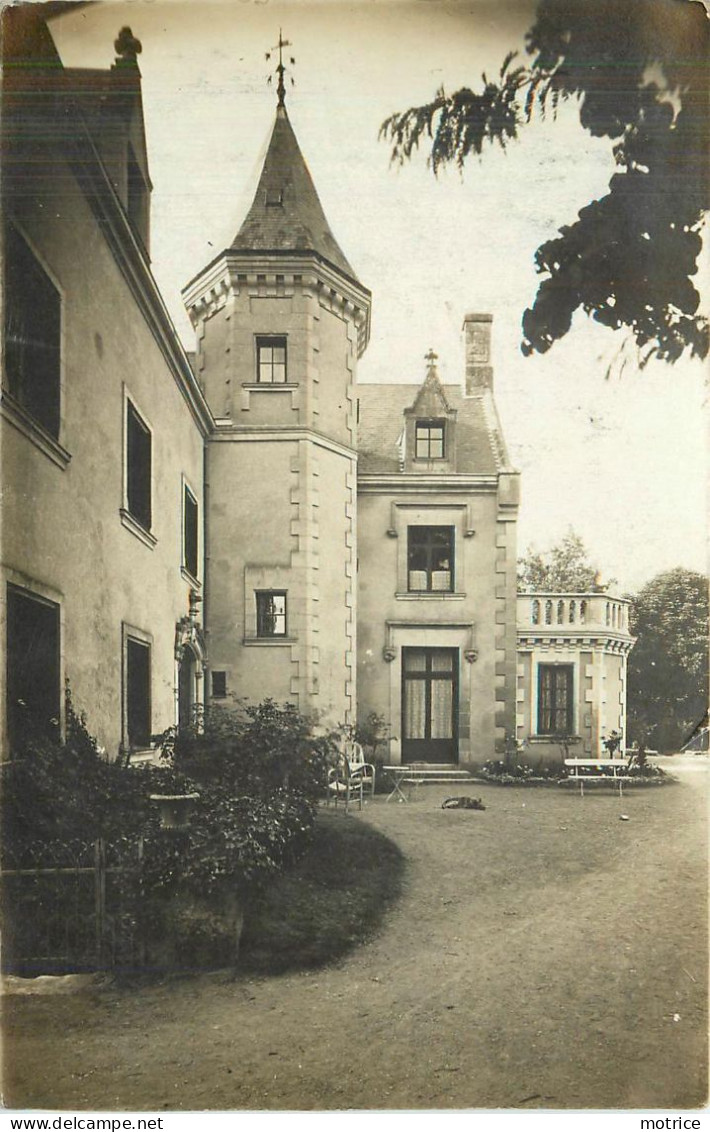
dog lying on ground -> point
(464, 803)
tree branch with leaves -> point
(638, 72)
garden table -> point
(596, 772)
(400, 774)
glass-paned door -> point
(429, 705)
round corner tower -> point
(280, 321)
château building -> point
(248, 521)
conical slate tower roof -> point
(286, 214)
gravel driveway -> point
(544, 954)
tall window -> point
(429, 440)
(270, 613)
(137, 693)
(219, 685)
(430, 559)
(33, 684)
(32, 333)
(555, 714)
(190, 532)
(271, 360)
(138, 467)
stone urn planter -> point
(174, 809)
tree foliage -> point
(638, 72)
(566, 568)
(668, 666)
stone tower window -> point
(271, 360)
(270, 613)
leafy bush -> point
(258, 774)
(56, 792)
(256, 749)
(504, 772)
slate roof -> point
(480, 449)
(286, 214)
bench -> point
(596, 770)
(412, 775)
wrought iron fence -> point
(73, 908)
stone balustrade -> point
(591, 611)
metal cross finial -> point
(281, 68)
(432, 359)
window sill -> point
(269, 641)
(429, 595)
(137, 529)
(190, 578)
(270, 386)
(15, 415)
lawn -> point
(332, 900)
(543, 954)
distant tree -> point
(638, 72)
(566, 568)
(667, 686)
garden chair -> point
(356, 761)
(350, 776)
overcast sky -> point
(622, 460)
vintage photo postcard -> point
(354, 701)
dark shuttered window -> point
(137, 693)
(190, 533)
(219, 685)
(138, 467)
(32, 333)
(33, 684)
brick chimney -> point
(479, 371)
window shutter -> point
(138, 459)
(191, 533)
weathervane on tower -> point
(281, 68)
